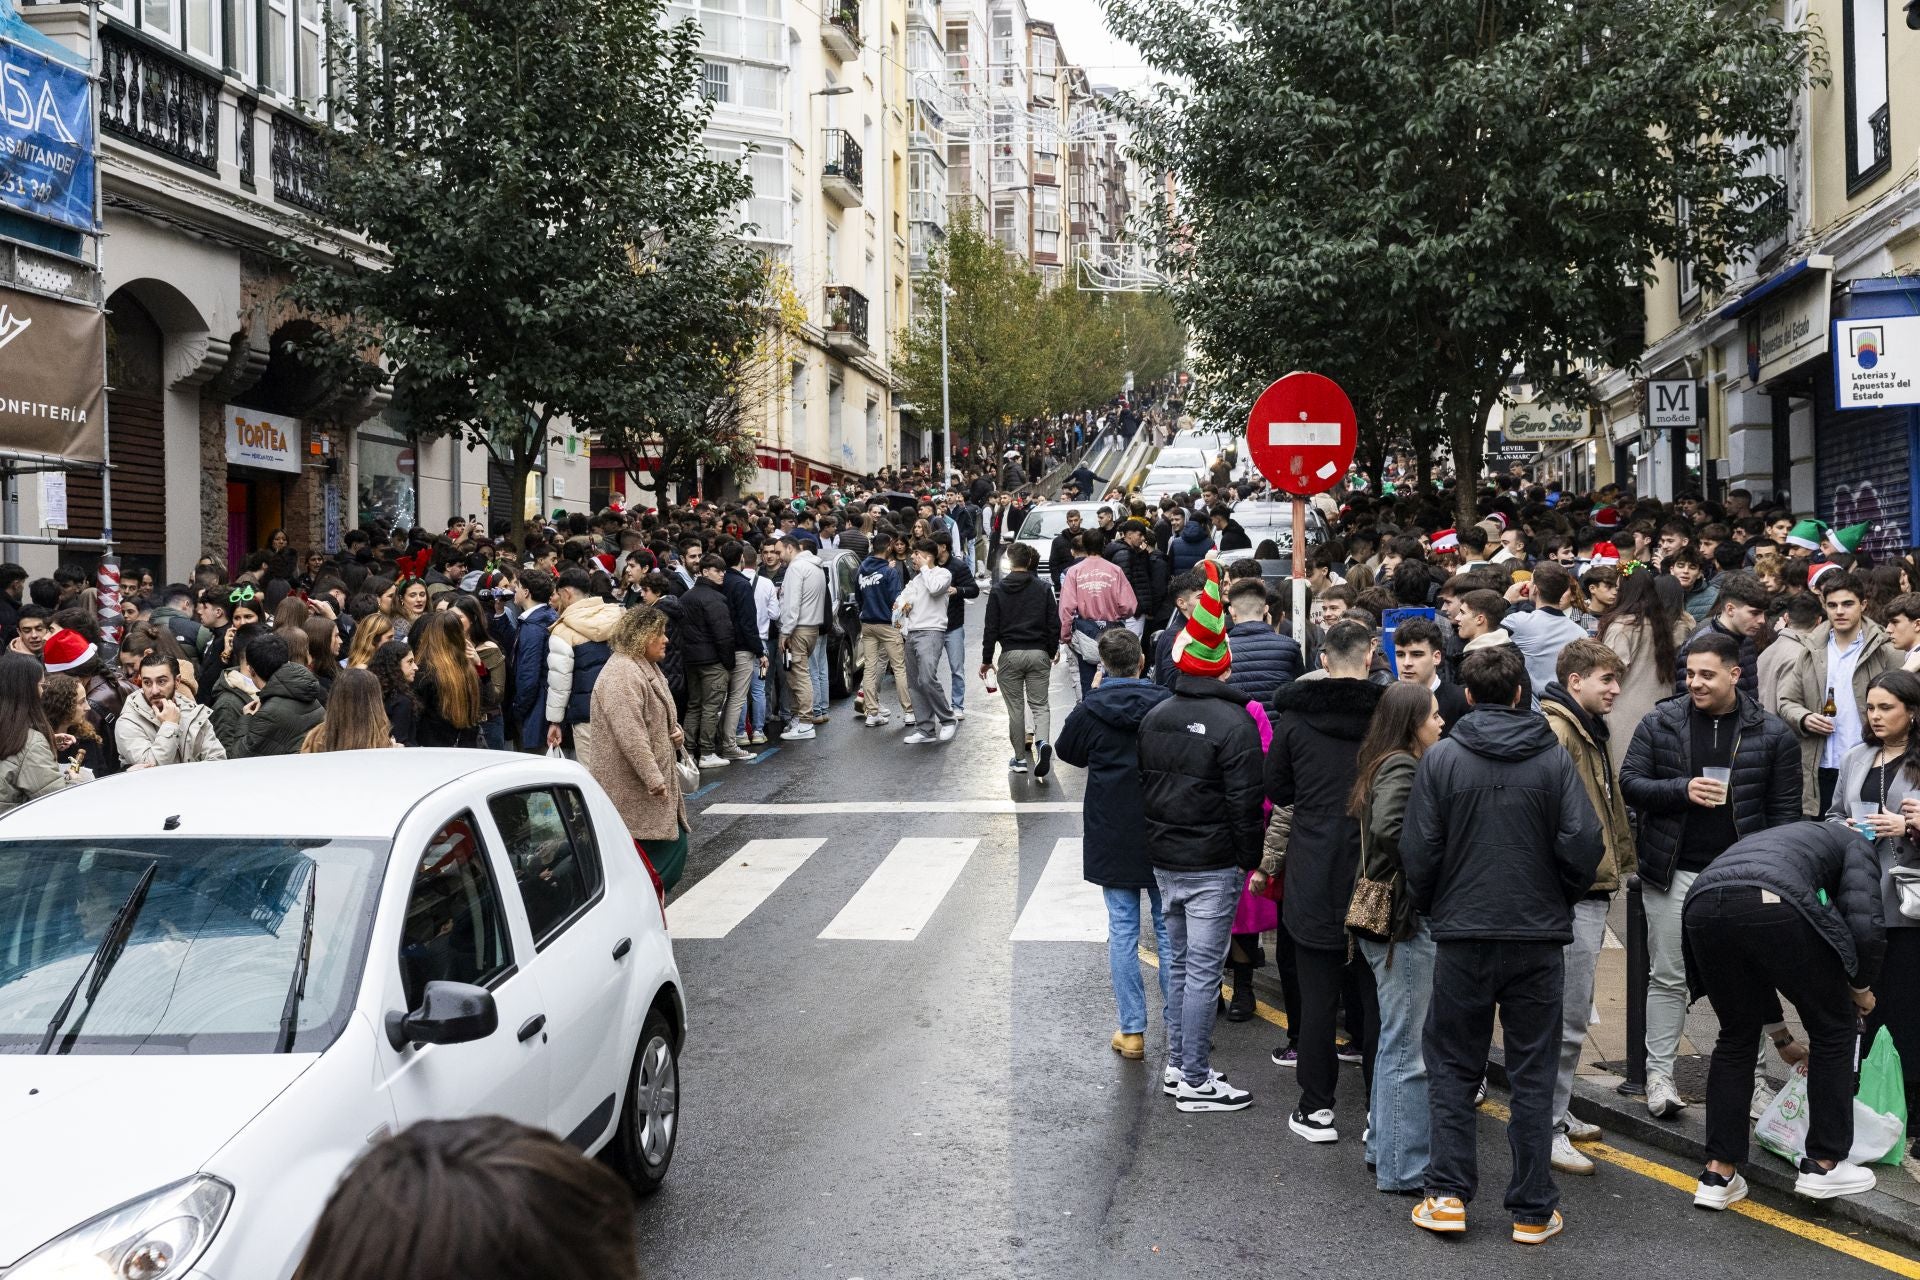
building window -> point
(203, 36)
(161, 20)
(241, 37)
(276, 47)
(385, 486)
(744, 48)
(1869, 122)
(308, 88)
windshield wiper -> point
(101, 963)
(297, 989)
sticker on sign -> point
(1303, 435)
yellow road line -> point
(1679, 1181)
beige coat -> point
(1647, 679)
(631, 751)
(1603, 793)
(1803, 691)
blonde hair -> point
(356, 717)
(636, 629)
(369, 634)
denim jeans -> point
(1576, 1000)
(957, 665)
(1198, 909)
(753, 716)
(1401, 1141)
(1123, 954)
(493, 733)
(1667, 973)
(817, 669)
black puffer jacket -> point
(1499, 840)
(706, 626)
(1797, 861)
(1317, 728)
(1200, 779)
(1102, 736)
(965, 587)
(1659, 764)
(1147, 574)
(1263, 659)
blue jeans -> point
(1198, 909)
(817, 665)
(753, 716)
(957, 664)
(493, 733)
(1123, 954)
(1403, 978)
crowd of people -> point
(1429, 791)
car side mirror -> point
(449, 1013)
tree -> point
(549, 236)
(1420, 199)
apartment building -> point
(1765, 361)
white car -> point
(1161, 481)
(1047, 521)
(220, 982)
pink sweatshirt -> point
(1096, 589)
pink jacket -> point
(1096, 589)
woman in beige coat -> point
(1646, 630)
(636, 733)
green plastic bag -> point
(1883, 1088)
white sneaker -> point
(1716, 1192)
(1579, 1130)
(1170, 1079)
(798, 733)
(734, 752)
(947, 730)
(1663, 1100)
(1214, 1095)
(1317, 1127)
(1565, 1159)
(1480, 1092)
(1762, 1099)
(877, 721)
(916, 738)
(1844, 1179)
(959, 713)
(711, 760)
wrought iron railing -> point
(847, 311)
(844, 158)
(298, 159)
(159, 99)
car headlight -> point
(160, 1235)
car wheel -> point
(837, 686)
(650, 1122)
(849, 665)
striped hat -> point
(1201, 649)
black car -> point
(843, 623)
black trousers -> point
(1897, 1008)
(1749, 953)
(1324, 975)
(1828, 780)
(1283, 958)
(1523, 982)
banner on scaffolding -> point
(53, 393)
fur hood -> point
(1341, 708)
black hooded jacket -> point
(1499, 840)
(1102, 736)
(1796, 862)
(1021, 614)
(1317, 728)
(1200, 779)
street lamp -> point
(946, 408)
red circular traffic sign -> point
(1302, 433)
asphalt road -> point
(918, 1094)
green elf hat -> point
(1201, 649)
(1849, 538)
(1806, 534)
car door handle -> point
(531, 1027)
(621, 948)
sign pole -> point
(1301, 434)
(1300, 572)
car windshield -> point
(1049, 523)
(1272, 520)
(210, 959)
(1180, 459)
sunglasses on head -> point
(241, 595)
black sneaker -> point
(1042, 758)
(1348, 1051)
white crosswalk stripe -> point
(1063, 907)
(904, 890)
(731, 891)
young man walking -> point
(1576, 706)
(922, 608)
(1499, 843)
(803, 612)
(1022, 625)
(1200, 779)
(881, 648)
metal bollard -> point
(1638, 975)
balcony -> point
(298, 161)
(925, 13)
(157, 99)
(840, 27)
(840, 169)
(846, 325)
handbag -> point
(1906, 889)
(687, 771)
(1371, 910)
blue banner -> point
(46, 137)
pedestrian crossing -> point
(896, 901)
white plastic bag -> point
(556, 753)
(1782, 1128)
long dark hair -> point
(20, 709)
(1641, 601)
(1904, 685)
(385, 665)
(1395, 727)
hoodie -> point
(577, 647)
(290, 705)
(1101, 735)
(922, 605)
(1190, 547)
(1499, 635)
(1020, 615)
(1499, 839)
(879, 588)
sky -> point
(1086, 42)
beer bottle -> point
(1829, 709)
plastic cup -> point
(1860, 811)
(1722, 774)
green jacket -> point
(1380, 838)
(290, 705)
(32, 772)
(227, 700)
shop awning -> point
(1779, 280)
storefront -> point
(1867, 459)
(263, 452)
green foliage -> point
(1417, 199)
(549, 236)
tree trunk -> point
(522, 468)
(1468, 438)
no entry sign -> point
(1302, 433)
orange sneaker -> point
(1539, 1232)
(1444, 1214)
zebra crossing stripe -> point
(731, 891)
(904, 890)
(1063, 907)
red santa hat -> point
(1604, 554)
(66, 650)
(1606, 518)
(1445, 540)
(605, 561)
